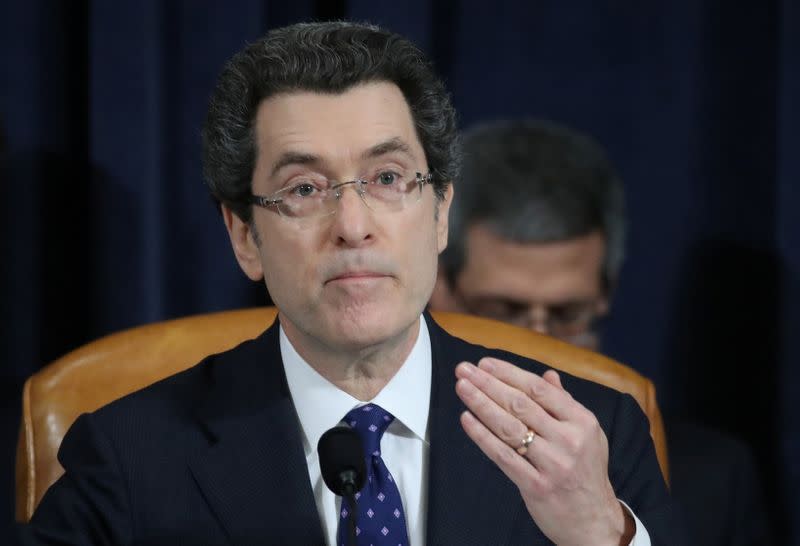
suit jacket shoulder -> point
(211, 455)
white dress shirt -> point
(405, 445)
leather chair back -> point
(111, 367)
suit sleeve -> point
(90, 503)
(636, 476)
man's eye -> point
(568, 313)
(496, 308)
(387, 178)
(303, 190)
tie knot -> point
(370, 421)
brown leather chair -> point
(109, 368)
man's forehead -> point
(391, 146)
(547, 272)
(364, 120)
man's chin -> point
(368, 324)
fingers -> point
(506, 410)
(545, 390)
(509, 401)
(507, 428)
(553, 378)
(516, 467)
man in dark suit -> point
(543, 250)
(331, 148)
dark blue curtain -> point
(106, 223)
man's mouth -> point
(357, 276)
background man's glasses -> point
(315, 196)
(574, 322)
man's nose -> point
(353, 221)
(537, 319)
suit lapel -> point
(254, 474)
(470, 501)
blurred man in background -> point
(537, 240)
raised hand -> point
(550, 446)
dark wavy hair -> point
(329, 57)
(535, 181)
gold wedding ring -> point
(526, 441)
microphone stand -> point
(352, 518)
(349, 490)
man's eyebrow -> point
(293, 158)
(491, 297)
(392, 145)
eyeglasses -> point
(315, 196)
(568, 321)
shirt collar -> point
(320, 405)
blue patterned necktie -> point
(381, 520)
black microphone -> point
(341, 460)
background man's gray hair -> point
(329, 57)
(535, 182)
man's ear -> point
(442, 215)
(443, 298)
(243, 241)
(609, 287)
(602, 306)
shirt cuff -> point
(641, 537)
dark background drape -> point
(106, 222)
